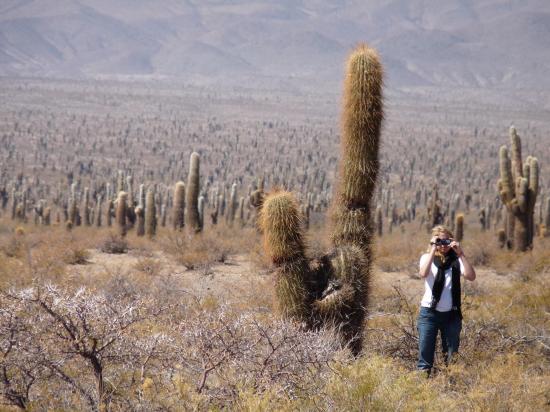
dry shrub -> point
(114, 244)
(76, 256)
(148, 266)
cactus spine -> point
(335, 291)
(518, 187)
(192, 195)
(179, 206)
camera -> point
(442, 242)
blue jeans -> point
(428, 324)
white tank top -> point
(445, 303)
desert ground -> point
(93, 319)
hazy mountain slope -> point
(450, 42)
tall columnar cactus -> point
(109, 213)
(13, 203)
(459, 227)
(98, 211)
(141, 195)
(150, 214)
(233, 204)
(130, 190)
(86, 207)
(163, 215)
(140, 221)
(130, 210)
(72, 210)
(120, 214)
(120, 181)
(241, 211)
(201, 211)
(546, 231)
(334, 290)
(179, 206)
(379, 221)
(192, 195)
(435, 216)
(518, 187)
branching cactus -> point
(333, 290)
(192, 195)
(518, 187)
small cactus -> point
(501, 237)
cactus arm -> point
(284, 243)
(533, 182)
(522, 194)
(515, 147)
(506, 178)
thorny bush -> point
(78, 349)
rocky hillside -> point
(481, 43)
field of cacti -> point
(175, 247)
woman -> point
(440, 310)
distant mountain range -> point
(470, 43)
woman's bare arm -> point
(427, 265)
(469, 272)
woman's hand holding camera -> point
(456, 247)
(433, 243)
(453, 244)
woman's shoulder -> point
(424, 257)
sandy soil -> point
(238, 279)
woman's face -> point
(443, 249)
